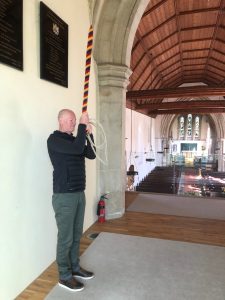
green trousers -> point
(69, 214)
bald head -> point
(63, 112)
(67, 120)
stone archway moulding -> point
(115, 23)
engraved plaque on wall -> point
(11, 33)
(53, 47)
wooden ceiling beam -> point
(194, 76)
(153, 8)
(195, 58)
(168, 49)
(197, 27)
(220, 40)
(202, 10)
(194, 65)
(214, 73)
(183, 12)
(222, 82)
(211, 79)
(218, 22)
(193, 71)
(187, 111)
(196, 40)
(152, 84)
(135, 46)
(138, 78)
(166, 61)
(171, 65)
(183, 104)
(154, 114)
(174, 82)
(157, 83)
(151, 61)
(184, 29)
(169, 73)
(195, 50)
(218, 51)
(159, 26)
(179, 32)
(194, 91)
(149, 57)
(163, 40)
(177, 79)
(138, 62)
(218, 69)
(217, 60)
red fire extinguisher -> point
(101, 209)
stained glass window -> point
(189, 126)
(181, 128)
(197, 132)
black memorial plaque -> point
(53, 47)
(11, 33)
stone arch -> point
(115, 24)
(166, 123)
(218, 121)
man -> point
(67, 154)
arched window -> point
(197, 128)
(181, 128)
(189, 127)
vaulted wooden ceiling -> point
(177, 42)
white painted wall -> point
(143, 135)
(28, 114)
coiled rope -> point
(101, 147)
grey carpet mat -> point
(209, 208)
(139, 268)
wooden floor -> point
(192, 230)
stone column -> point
(113, 81)
(219, 153)
(222, 154)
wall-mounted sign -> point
(53, 47)
(11, 33)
